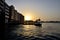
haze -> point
(43, 9)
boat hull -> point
(38, 24)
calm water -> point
(47, 31)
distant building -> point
(11, 14)
(29, 22)
(16, 16)
(21, 19)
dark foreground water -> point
(48, 31)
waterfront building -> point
(21, 18)
(18, 17)
(6, 13)
(3, 19)
(2, 11)
(15, 16)
(11, 14)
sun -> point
(27, 17)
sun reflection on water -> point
(29, 30)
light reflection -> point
(29, 30)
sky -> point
(46, 10)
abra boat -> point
(37, 23)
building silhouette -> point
(2, 19)
(15, 17)
(2, 11)
(8, 14)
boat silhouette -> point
(38, 22)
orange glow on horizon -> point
(28, 17)
(31, 15)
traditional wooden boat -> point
(37, 23)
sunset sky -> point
(43, 9)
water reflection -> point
(29, 30)
(51, 27)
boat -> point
(37, 23)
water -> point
(48, 31)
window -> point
(6, 10)
(1, 3)
(6, 16)
(0, 10)
(1, 6)
(7, 7)
(6, 20)
(6, 13)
